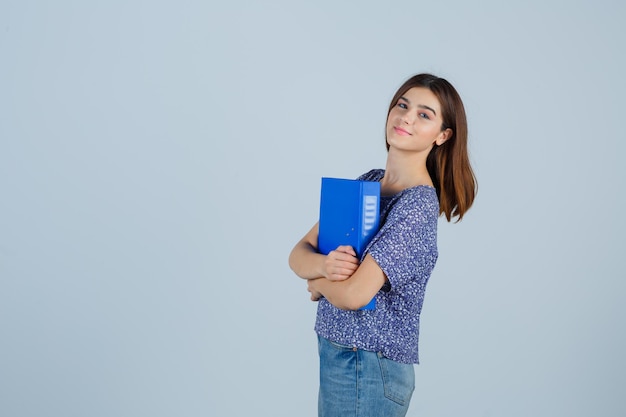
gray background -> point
(158, 160)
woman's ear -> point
(444, 136)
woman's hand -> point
(341, 263)
(315, 295)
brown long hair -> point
(448, 164)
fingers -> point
(341, 263)
(339, 274)
(345, 256)
(346, 249)
(315, 295)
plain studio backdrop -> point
(159, 160)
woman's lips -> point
(401, 131)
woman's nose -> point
(406, 118)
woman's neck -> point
(404, 170)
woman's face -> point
(414, 123)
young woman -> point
(367, 356)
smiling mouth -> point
(401, 131)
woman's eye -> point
(402, 105)
(424, 115)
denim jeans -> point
(359, 383)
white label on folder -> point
(369, 216)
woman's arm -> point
(352, 293)
(308, 263)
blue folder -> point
(349, 215)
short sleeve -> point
(405, 247)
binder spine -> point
(370, 217)
(369, 214)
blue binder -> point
(349, 215)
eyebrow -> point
(421, 106)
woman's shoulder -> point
(426, 192)
(419, 199)
(372, 175)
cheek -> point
(389, 123)
(394, 113)
(431, 130)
